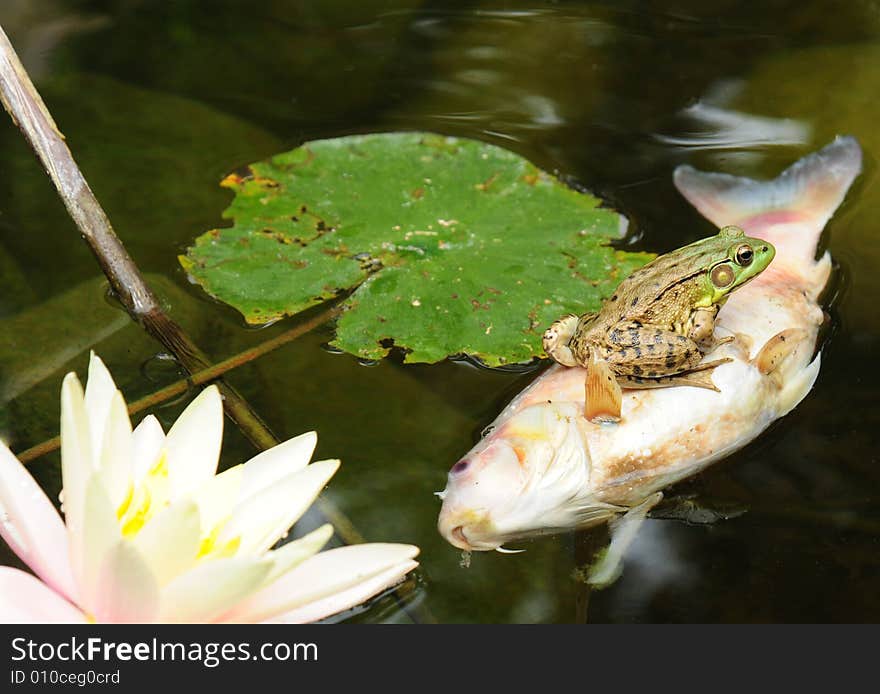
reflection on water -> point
(721, 128)
(160, 100)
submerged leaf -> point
(446, 246)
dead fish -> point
(544, 468)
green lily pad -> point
(441, 245)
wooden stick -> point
(29, 113)
(197, 379)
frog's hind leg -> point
(557, 337)
(699, 376)
(602, 394)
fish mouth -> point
(455, 528)
(458, 539)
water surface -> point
(160, 100)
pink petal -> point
(100, 532)
(147, 440)
(193, 443)
(100, 390)
(277, 462)
(115, 452)
(25, 599)
(343, 600)
(267, 515)
(327, 575)
(127, 590)
(76, 464)
(32, 527)
(210, 589)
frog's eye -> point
(722, 276)
(744, 255)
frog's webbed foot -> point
(602, 395)
(557, 337)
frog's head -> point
(738, 259)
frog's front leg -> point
(702, 329)
(557, 338)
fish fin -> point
(808, 191)
(777, 349)
(606, 569)
(602, 393)
(798, 385)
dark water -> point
(160, 100)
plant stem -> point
(197, 379)
(29, 113)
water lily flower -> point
(152, 534)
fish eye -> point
(722, 276)
(460, 466)
(744, 255)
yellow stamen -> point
(145, 500)
(210, 547)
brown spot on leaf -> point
(485, 185)
(276, 236)
(477, 305)
(417, 194)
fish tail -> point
(801, 199)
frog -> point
(657, 326)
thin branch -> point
(29, 113)
(197, 379)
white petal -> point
(346, 599)
(89, 549)
(217, 497)
(32, 527)
(26, 600)
(263, 518)
(116, 469)
(127, 590)
(211, 589)
(169, 542)
(100, 389)
(193, 444)
(324, 575)
(279, 461)
(147, 441)
(294, 553)
(76, 466)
